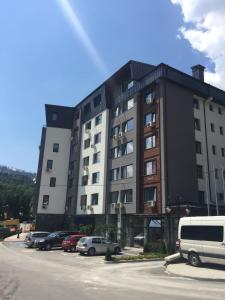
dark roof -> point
(64, 116)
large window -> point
(149, 118)
(114, 197)
(195, 103)
(94, 199)
(114, 174)
(202, 233)
(115, 152)
(149, 98)
(150, 194)
(149, 142)
(96, 158)
(45, 201)
(86, 161)
(55, 147)
(214, 149)
(85, 180)
(116, 111)
(212, 126)
(198, 147)
(49, 164)
(52, 182)
(127, 148)
(127, 171)
(197, 124)
(97, 100)
(199, 170)
(126, 196)
(87, 143)
(150, 167)
(115, 130)
(88, 125)
(201, 197)
(95, 177)
(98, 120)
(97, 138)
(128, 125)
(87, 108)
(83, 201)
(221, 130)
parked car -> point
(139, 240)
(54, 240)
(202, 239)
(33, 237)
(96, 245)
(70, 242)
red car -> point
(70, 242)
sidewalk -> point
(205, 272)
(132, 250)
(14, 238)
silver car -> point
(96, 245)
(33, 237)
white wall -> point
(98, 167)
(213, 138)
(57, 194)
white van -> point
(202, 239)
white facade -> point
(99, 167)
(213, 164)
(57, 194)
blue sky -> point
(43, 60)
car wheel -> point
(48, 247)
(117, 250)
(73, 249)
(91, 251)
(194, 259)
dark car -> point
(70, 242)
(33, 238)
(54, 240)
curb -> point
(133, 261)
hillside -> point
(16, 191)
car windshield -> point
(82, 240)
(52, 235)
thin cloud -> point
(79, 30)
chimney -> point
(198, 72)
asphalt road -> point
(27, 274)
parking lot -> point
(30, 274)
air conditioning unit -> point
(151, 203)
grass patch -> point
(143, 256)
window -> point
(201, 197)
(115, 152)
(216, 173)
(88, 125)
(45, 201)
(114, 197)
(127, 148)
(85, 180)
(95, 177)
(199, 170)
(87, 143)
(224, 174)
(97, 100)
(97, 138)
(219, 111)
(150, 194)
(198, 147)
(202, 233)
(52, 181)
(87, 108)
(55, 147)
(149, 98)
(86, 161)
(210, 107)
(220, 197)
(197, 124)
(54, 116)
(49, 164)
(150, 167)
(98, 120)
(223, 152)
(96, 158)
(130, 103)
(127, 171)
(149, 118)
(214, 149)
(96, 241)
(83, 201)
(114, 174)
(94, 199)
(70, 183)
(130, 84)
(115, 130)
(116, 111)
(221, 130)
(212, 127)
(149, 142)
(195, 103)
(128, 125)
(126, 196)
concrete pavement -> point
(205, 272)
(14, 238)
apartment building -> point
(148, 143)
